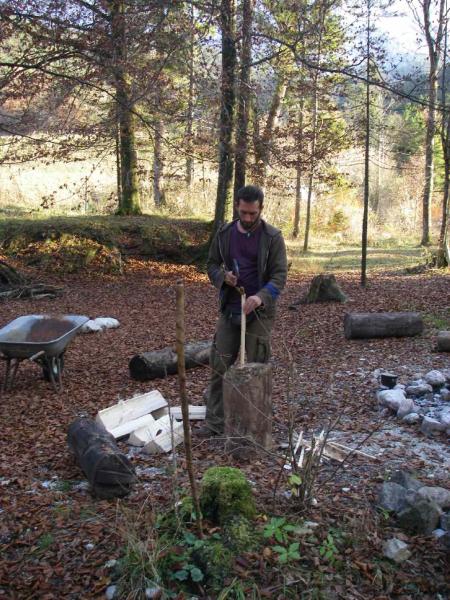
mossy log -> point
(247, 401)
(161, 363)
(443, 341)
(323, 288)
(108, 470)
(385, 324)
(225, 494)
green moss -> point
(215, 561)
(226, 493)
(240, 535)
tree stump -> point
(108, 470)
(443, 341)
(161, 363)
(386, 324)
(247, 401)
(323, 288)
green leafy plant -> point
(189, 571)
(328, 549)
(287, 553)
(279, 529)
(295, 481)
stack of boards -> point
(148, 421)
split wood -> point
(333, 450)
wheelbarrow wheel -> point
(53, 367)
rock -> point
(444, 418)
(439, 495)
(430, 426)
(396, 550)
(153, 593)
(445, 521)
(446, 374)
(411, 418)
(406, 407)
(435, 378)
(391, 398)
(392, 496)
(110, 592)
(422, 517)
(438, 533)
(445, 395)
(445, 540)
(406, 480)
(419, 389)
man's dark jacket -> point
(272, 264)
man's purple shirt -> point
(244, 249)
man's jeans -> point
(224, 352)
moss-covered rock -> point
(240, 535)
(225, 493)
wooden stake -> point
(184, 401)
(243, 324)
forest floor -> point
(56, 540)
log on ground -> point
(386, 324)
(161, 363)
(108, 470)
(247, 399)
(443, 341)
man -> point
(247, 253)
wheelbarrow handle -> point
(37, 355)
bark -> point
(263, 143)
(323, 288)
(244, 99)
(247, 399)
(365, 219)
(159, 194)
(225, 175)
(161, 363)
(387, 324)
(129, 202)
(108, 470)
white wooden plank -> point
(129, 426)
(196, 413)
(131, 409)
(162, 442)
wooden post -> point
(184, 401)
(247, 400)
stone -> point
(446, 374)
(391, 398)
(435, 378)
(392, 496)
(445, 540)
(406, 480)
(111, 592)
(445, 521)
(153, 593)
(396, 550)
(411, 418)
(422, 517)
(445, 395)
(438, 533)
(406, 407)
(430, 426)
(419, 389)
(439, 495)
(444, 418)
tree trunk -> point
(263, 143)
(434, 50)
(387, 324)
(190, 107)
(108, 470)
(298, 172)
(159, 194)
(244, 96)
(129, 202)
(161, 363)
(247, 401)
(365, 219)
(227, 15)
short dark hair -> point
(250, 193)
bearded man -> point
(247, 254)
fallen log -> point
(161, 363)
(108, 470)
(386, 324)
(247, 402)
(443, 341)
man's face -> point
(249, 213)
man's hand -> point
(251, 303)
(230, 278)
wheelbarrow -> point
(40, 338)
